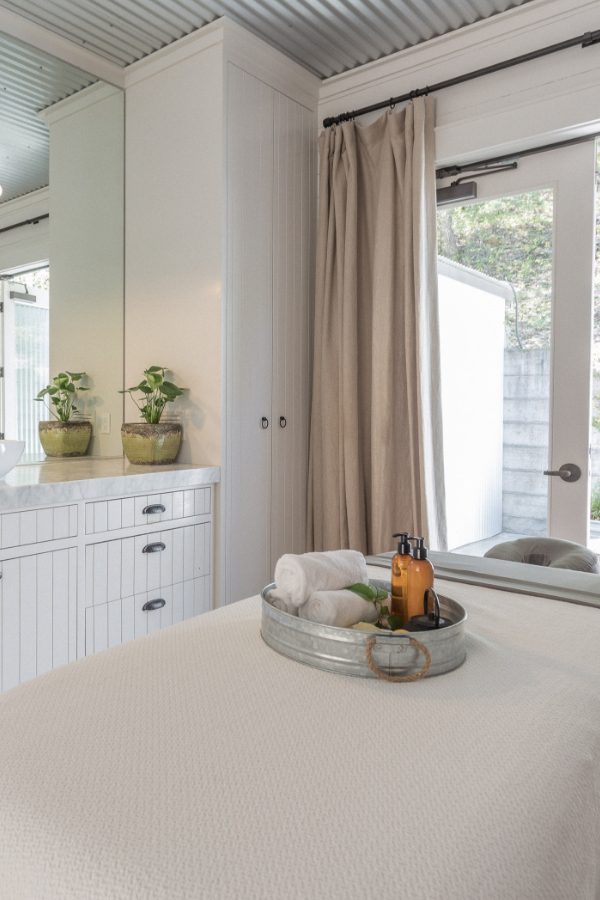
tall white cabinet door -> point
(248, 326)
(293, 212)
(38, 608)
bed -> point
(197, 763)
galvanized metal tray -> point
(391, 657)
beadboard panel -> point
(38, 596)
(126, 512)
(35, 526)
(249, 351)
(121, 568)
(293, 217)
(112, 623)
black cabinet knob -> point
(282, 421)
(264, 422)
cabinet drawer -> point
(135, 565)
(126, 512)
(34, 526)
(122, 620)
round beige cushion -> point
(547, 552)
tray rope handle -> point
(415, 676)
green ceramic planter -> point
(65, 438)
(151, 445)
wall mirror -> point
(61, 242)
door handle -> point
(568, 472)
(157, 547)
(151, 605)
(153, 509)
(282, 421)
(264, 422)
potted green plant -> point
(152, 442)
(64, 435)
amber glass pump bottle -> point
(419, 579)
(400, 563)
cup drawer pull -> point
(157, 547)
(153, 509)
(154, 604)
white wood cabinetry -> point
(81, 577)
(270, 212)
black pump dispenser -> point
(404, 547)
(419, 550)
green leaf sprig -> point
(378, 597)
(156, 393)
(62, 393)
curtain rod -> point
(584, 40)
(32, 221)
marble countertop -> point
(88, 478)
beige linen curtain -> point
(376, 463)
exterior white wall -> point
(86, 252)
(550, 98)
(472, 367)
(29, 244)
(174, 211)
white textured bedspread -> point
(197, 763)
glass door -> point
(515, 284)
(24, 351)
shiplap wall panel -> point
(34, 526)
(37, 614)
(112, 515)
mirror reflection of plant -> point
(62, 393)
(156, 393)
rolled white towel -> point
(340, 608)
(301, 576)
(281, 600)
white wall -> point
(29, 244)
(472, 367)
(86, 252)
(545, 99)
(174, 210)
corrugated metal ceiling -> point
(325, 36)
(29, 81)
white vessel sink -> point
(10, 454)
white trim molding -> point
(239, 47)
(83, 99)
(41, 38)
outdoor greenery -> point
(156, 393)
(595, 507)
(510, 239)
